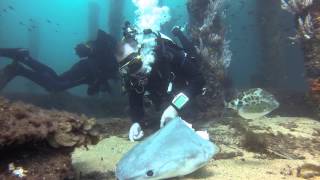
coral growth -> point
(306, 28)
(307, 21)
(315, 85)
(307, 17)
(295, 6)
(208, 34)
(22, 123)
(25, 134)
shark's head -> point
(175, 150)
(152, 171)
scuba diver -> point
(96, 66)
(174, 78)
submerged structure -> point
(307, 19)
(207, 31)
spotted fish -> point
(254, 103)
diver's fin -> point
(7, 74)
(14, 53)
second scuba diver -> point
(96, 66)
(174, 75)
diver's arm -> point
(136, 106)
(185, 42)
(190, 70)
(195, 82)
(136, 113)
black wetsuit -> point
(95, 71)
(173, 64)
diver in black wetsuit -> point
(174, 75)
(96, 66)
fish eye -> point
(150, 173)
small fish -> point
(21, 23)
(254, 103)
(48, 21)
(4, 10)
(12, 8)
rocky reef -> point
(36, 143)
(207, 33)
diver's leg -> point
(16, 69)
(185, 42)
(45, 80)
(38, 66)
(22, 55)
(48, 81)
(51, 83)
(78, 74)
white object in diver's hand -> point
(168, 114)
(135, 132)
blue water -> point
(61, 24)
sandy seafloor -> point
(294, 159)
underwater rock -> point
(254, 103)
(41, 162)
(308, 170)
(22, 123)
(26, 131)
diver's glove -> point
(171, 112)
(135, 132)
(168, 114)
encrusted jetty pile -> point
(307, 17)
(207, 31)
(36, 143)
